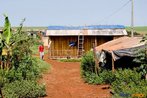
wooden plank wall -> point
(89, 40)
(60, 45)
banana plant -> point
(5, 39)
(8, 39)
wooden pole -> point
(132, 20)
(113, 68)
(96, 60)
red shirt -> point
(41, 48)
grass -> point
(70, 60)
(139, 29)
(43, 65)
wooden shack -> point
(73, 42)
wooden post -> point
(96, 60)
(113, 68)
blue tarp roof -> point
(91, 27)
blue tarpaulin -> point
(91, 27)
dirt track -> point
(64, 81)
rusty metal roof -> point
(121, 43)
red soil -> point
(64, 81)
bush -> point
(92, 78)
(26, 70)
(23, 89)
(129, 89)
(124, 82)
(141, 59)
(107, 76)
(87, 64)
(128, 82)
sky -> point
(73, 12)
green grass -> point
(139, 29)
(69, 60)
(43, 65)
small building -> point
(74, 41)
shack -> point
(119, 52)
(74, 41)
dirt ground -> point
(64, 81)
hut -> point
(74, 41)
(119, 52)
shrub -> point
(141, 59)
(107, 76)
(87, 64)
(26, 70)
(124, 82)
(128, 82)
(23, 89)
(92, 78)
(129, 89)
(29, 69)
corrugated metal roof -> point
(121, 43)
(90, 27)
(98, 32)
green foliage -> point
(7, 30)
(43, 66)
(92, 78)
(138, 87)
(26, 70)
(23, 89)
(17, 78)
(70, 60)
(108, 76)
(87, 63)
(104, 77)
(29, 69)
(3, 79)
(34, 49)
(144, 38)
(141, 58)
(135, 33)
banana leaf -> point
(7, 30)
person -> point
(41, 51)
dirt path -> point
(64, 81)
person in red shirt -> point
(41, 51)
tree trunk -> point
(1, 93)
